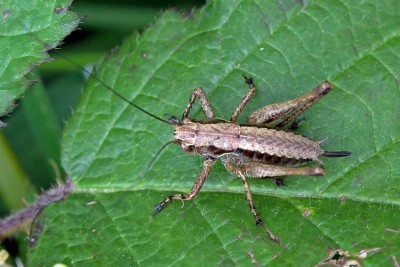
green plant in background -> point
(287, 47)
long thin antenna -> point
(110, 88)
(150, 164)
(53, 48)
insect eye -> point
(172, 119)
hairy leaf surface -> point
(288, 47)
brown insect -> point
(262, 148)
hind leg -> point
(281, 114)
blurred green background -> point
(30, 144)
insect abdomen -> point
(279, 143)
(270, 159)
(230, 137)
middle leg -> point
(232, 168)
(204, 103)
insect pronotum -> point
(263, 147)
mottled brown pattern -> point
(231, 137)
(278, 143)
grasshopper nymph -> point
(262, 148)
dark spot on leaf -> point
(59, 10)
(306, 212)
(6, 14)
(183, 213)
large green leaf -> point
(288, 47)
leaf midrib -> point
(240, 191)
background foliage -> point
(288, 48)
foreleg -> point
(208, 163)
(204, 103)
(249, 95)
